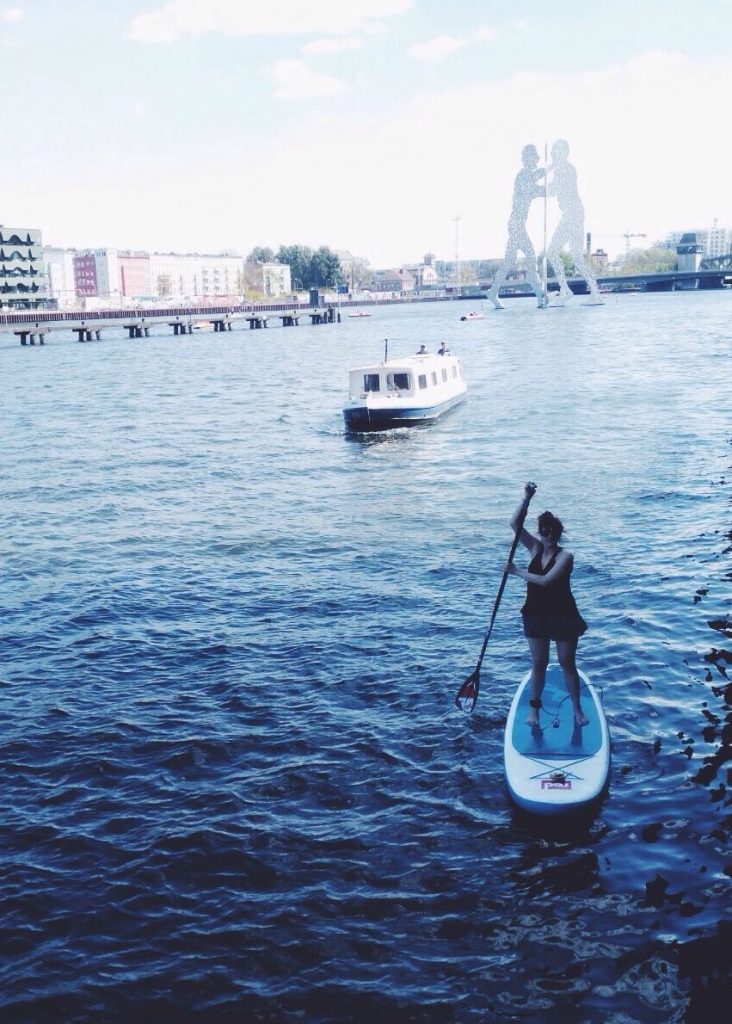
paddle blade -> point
(467, 695)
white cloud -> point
(332, 45)
(375, 28)
(295, 80)
(12, 14)
(437, 49)
(179, 18)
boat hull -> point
(562, 768)
(365, 418)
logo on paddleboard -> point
(556, 781)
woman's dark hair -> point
(550, 525)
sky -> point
(389, 128)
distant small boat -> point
(360, 312)
(473, 316)
(202, 325)
(403, 392)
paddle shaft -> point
(514, 545)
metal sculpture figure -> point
(526, 188)
(571, 227)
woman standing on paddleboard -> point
(550, 611)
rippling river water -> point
(234, 782)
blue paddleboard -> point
(556, 766)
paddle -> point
(467, 696)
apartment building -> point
(23, 281)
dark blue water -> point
(234, 784)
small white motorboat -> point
(473, 316)
(359, 313)
(403, 392)
(557, 766)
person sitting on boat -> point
(550, 611)
(443, 349)
(423, 351)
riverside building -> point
(117, 278)
(23, 281)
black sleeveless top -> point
(553, 602)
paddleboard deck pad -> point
(557, 766)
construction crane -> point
(627, 236)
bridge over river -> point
(669, 281)
(672, 280)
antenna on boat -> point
(386, 349)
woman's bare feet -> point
(579, 716)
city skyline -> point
(367, 127)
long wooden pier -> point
(33, 327)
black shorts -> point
(538, 627)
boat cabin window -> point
(422, 380)
(454, 371)
(444, 374)
(371, 382)
(398, 382)
(434, 377)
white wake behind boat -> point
(403, 392)
(556, 767)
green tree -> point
(315, 269)
(297, 258)
(654, 260)
(261, 254)
(325, 269)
